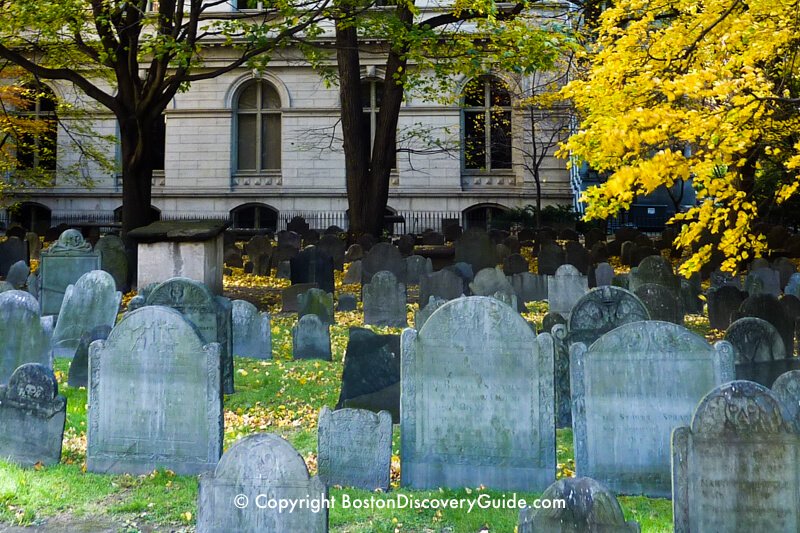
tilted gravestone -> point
(722, 303)
(476, 248)
(22, 336)
(590, 507)
(760, 353)
(371, 374)
(385, 301)
(252, 335)
(383, 256)
(290, 302)
(113, 259)
(210, 314)
(311, 339)
(263, 468)
(734, 468)
(32, 415)
(529, 287)
(12, 250)
(91, 302)
(353, 274)
(661, 302)
(565, 288)
(601, 310)
(313, 265)
(476, 364)
(623, 408)
(443, 284)
(79, 366)
(154, 397)
(316, 302)
(787, 389)
(354, 448)
(424, 313)
(62, 264)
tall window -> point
(487, 125)
(258, 128)
(37, 151)
(371, 94)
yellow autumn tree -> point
(707, 90)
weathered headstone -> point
(601, 310)
(354, 253)
(769, 308)
(334, 247)
(22, 337)
(154, 397)
(515, 264)
(476, 364)
(763, 281)
(289, 238)
(552, 319)
(311, 339)
(549, 259)
(476, 248)
(734, 468)
(563, 399)
(383, 256)
(32, 415)
(785, 268)
(722, 303)
(113, 259)
(259, 251)
(603, 274)
(79, 366)
(263, 468)
(91, 302)
(252, 335)
(590, 508)
(298, 225)
(210, 314)
(443, 284)
(424, 313)
(316, 302)
(354, 273)
(312, 265)
(661, 302)
(624, 407)
(354, 448)
(565, 288)
(690, 298)
(656, 270)
(289, 296)
(346, 302)
(578, 256)
(793, 286)
(34, 245)
(18, 274)
(384, 301)
(63, 263)
(371, 375)
(416, 266)
(529, 287)
(489, 281)
(760, 353)
(406, 243)
(12, 250)
(787, 389)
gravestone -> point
(501, 252)
(515, 264)
(22, 336)
(384, 301)
(289, 296)
(154, 397)
(760, 353)
(549, 259)
(311, 237)
(474, 365)
(12, 250)
(474, 247)
(284, 270)
(722, 303)
(763, 281)
(290, 239)
(623, 408)
(354, 448)
(452, 232)
(297, 225)
(113, 259)
(578, 256)
(383, 256)
(464, 271)
(785, 268)
(590, 507)
(734, 468)
(259, 251)
(312, 265)
(32, 415)
(79, 366)
(18, 274)
(656, 270)
(91, 302)
(6, 286)
(34, 245)
(690, 298)
(232, 256)
(601, 310)
(661, 302)
(371, 374)
(347, 302)
(334, 247)
(311, 339)
(354, 253)
(626, 253)
(565, 288)
(603, 274)
(267, 468)
(252, 335)
(31, 285)
(720, 278)
(793, 286)
(416, 266)
(529, 287)
(489, 281)
(282, 254)
(353, 274)
(443, 284)
(563, 398)
(210, 314)
(316, 302)
(424, 313)
(787, 389)
(769, 308)
(406, 243)
(62, 264)
(552, 319)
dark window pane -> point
(366, 86)
(249, 97)
(378, 94)
(246, 137)
(269, 97)
(474, 140)
(271, 141)
(501, 140)
(159, 141)
(499, 93)
(474, 95)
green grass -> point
(279, 396)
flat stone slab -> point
(179, 231)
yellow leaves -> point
(785, 191)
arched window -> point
(258, 128)
(487, 124)
(254, 216)
(36, 150)
(371, 94)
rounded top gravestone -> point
(33, 383)
(740, 408)
(23, 338)
(602, 309)
(787, 389)
(71, 241)
(755, 340)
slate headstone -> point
(384, 301)
(760, 353)
(12, 250)
(313, 265)
(793, 286)
(416, 266)
(383, 256)
(354, 253)
(424, 313)
(552, 319)
(311, 339)
(316, 302)
(334, 247)
(529, 287)
(353, 274)
(722, 303)
(787, 389)
(578, 256)
(289, 296)
(785, 268)
(549, 259)
(603, 274)
(259, 252)
(601, 310)
(22, 337)
(62, 264)
(565, 288)
(346, 302)
(443, 284)
(252, 334)
(763, 281)
(18, 274)
(515, 264)
(34, 245)
(654, 270)
(113, 259)
(79, 366)
(661, 302)
(768, 307)
(476, 248)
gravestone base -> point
(432, 475)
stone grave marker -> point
(601, 310)
(424, 313)
(769, 308)
(289, 238)
(603, 274)
(12, 250)
(312, 265)
(32, 415)
(62, 264)
(578, 256)
(489, 281)
(565, 288)
(210, 314)
(722, 303)
(334, 247)
(476, 364)
(406, 243)
(371, 375)
(354, 273)
(477, 249)
(316, 302)
(591, 508)
(661, 302)
(551, 320)
(91, 302)
(347, 302)
(529, 287)
(734, 468)
(763, 281)
(259, 252)
(252, 334)
(154, 397)
(22, 336)
(261, 464)
(515, 264)
(416, 266)
(785, 268)
(383, 256)
(113, 259)
(654, 269)
(787, 389)
(289, 296)
(443, 284)
(79, 366)
(34, 245)
(354, 253)
(311, 339)
(549, 259)
(384, 301)
(18, 274)
(793, 286)
(760, 352)
(623, 408)
(354, 448)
